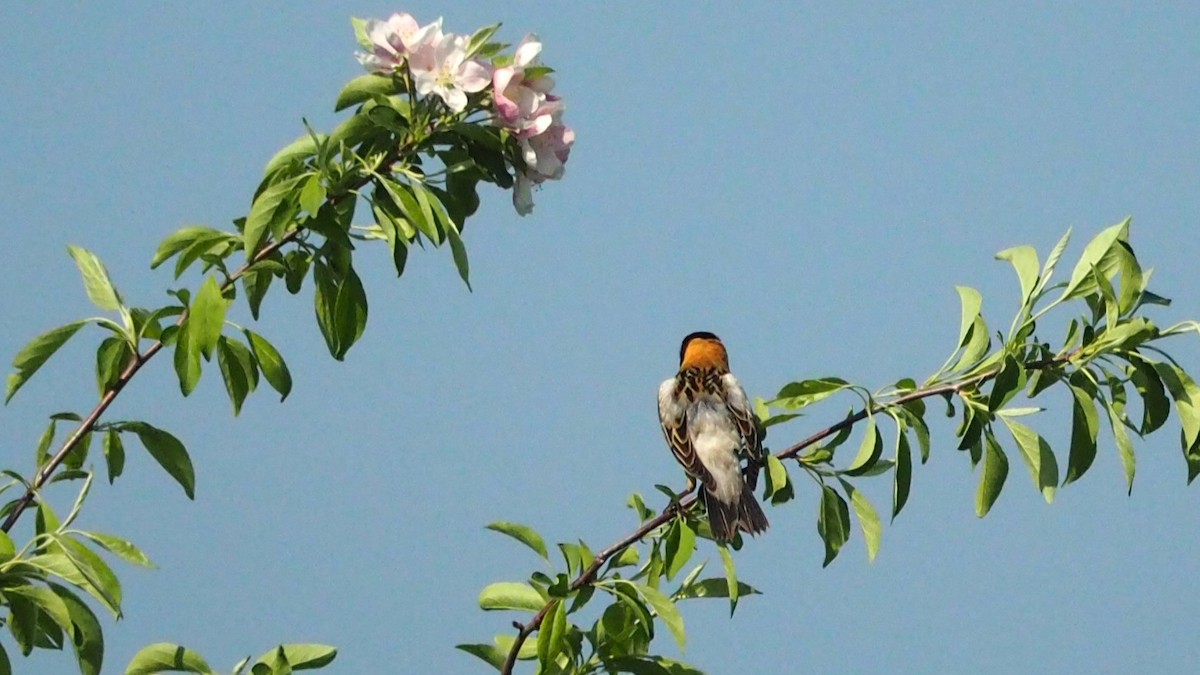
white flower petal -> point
(454, 97)
(473, 76)
(527, 51)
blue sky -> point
(808, 181)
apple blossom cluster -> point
(521, 101)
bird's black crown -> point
(698, 335)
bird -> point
(707, 421)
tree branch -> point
(589, 574)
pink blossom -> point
(524, 104)
(445, 70)
(395, 39)
(545, 157)
(546, 153)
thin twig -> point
(589, 574)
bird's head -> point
(703, 350)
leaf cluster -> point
(1111, 362)
(411, 164)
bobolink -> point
(709, 425)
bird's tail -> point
(727, 518)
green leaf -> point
(681, 543)
(732, 587)
(46, 521)
(114, 455)
(1039, 458)
(22, 621)
(480, 37)
(111, 358)
(1024, 260)
(352, 131)
(978, 341)
(187, 360)
(1111, 308)
(648, 665)
(206, 318)
(1124, 446)
(1156, 408)
(1085, 424)
(271, 363)
(1187, 400)
(237, 369)
(552, 635)
(297, 263)
(302, 656)
(902, 478)
(1132, 279)
(163, 657)
(868, 519)
(121, 548)
(183, 239)
(511, 595)
(79, 499)
(638, 504)
(995, 471)
(312, 195)
(350, 312)
(459, 251)
(204, 248)
(256, 283)
(425, 204)
(33, 355)
(868, 452)
(93, 574)
(490, 654)
(45, 600)
(667, 611)
(1006, 384)
(712, 588)
(1098, 253)
(971, 302)
(420, 218)
(267, 212)
(87, 637)
(804, 393)
(362, 88)
(524, 534)
(170, 453)
(297, 151)
(833, 523)
(1052, 261)
(325, 305)
(42, 454)
(99, 286)
(7, 549)
(922, 432)
(777, 475)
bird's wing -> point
(672, 415)
(743, 415)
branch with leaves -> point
(1110, 348)
(437, 115)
